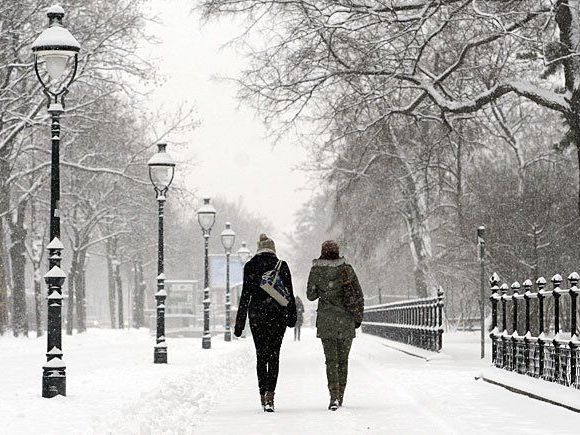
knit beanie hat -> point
(329, 251)
(266, 244)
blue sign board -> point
(217, 271)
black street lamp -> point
(55, 46)
(228, 237)
(161, 171)
(244, 253)
(206, 218)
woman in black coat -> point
(268, 319)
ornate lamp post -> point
(228, 237)
(206, 218)
(244, 253)
(161, 171)
(55, 46)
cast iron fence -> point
(418, 322)
(539, 329)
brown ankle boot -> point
(269, 395)
(341, 388)
(263, 401)
(333, 390)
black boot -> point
(263, 401)
(341, 388)
(333, 390)
(269, 395)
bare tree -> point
(426, 59)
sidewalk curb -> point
(410, 350)
(488, 376)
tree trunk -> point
(414, 216)
(71, 295)
(3, 286)
(139, 299)
(4, 207)
(83, 284)
(111, 282)
(80, 294)
(18, 265)
(418, 233)
(419, 243)
(119, 296)
(568, 19)
(578, 171)
(38, 298)
(459, 186)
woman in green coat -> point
(340, 308)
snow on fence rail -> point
(418, 322)
(539, 330)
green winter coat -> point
(325, 284)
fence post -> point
(556, 281)
(528, 334)
(433, 324)
(504, 288)
(494, 281)
(573, 279)
(481, 243)
(440, 319)
(417, 330)
(541, 283)
(515, 291)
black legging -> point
(268, 337)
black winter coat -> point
(256, 302)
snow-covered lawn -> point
(113, 387)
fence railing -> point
(539, 329)
(418, 322)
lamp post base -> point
(160, 355)
(53, 382)
(206, 342)
(228, 336)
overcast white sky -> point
(234, 157)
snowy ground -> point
(113, 385)
(114, 388)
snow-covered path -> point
(389, 392)
(113, 388)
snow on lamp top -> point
(161, 168)
(206, 215)
(55, 44)
(228, 237)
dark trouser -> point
(336, 352)
(297, 331)
(268, 337)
